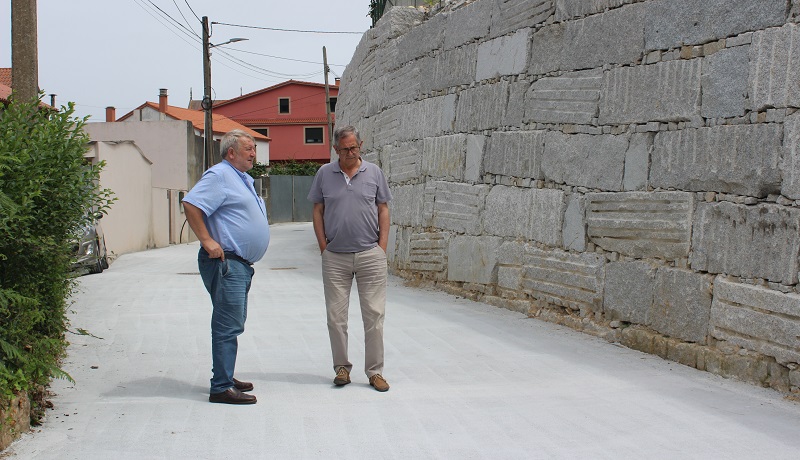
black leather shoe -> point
(242, 386)
(231, 396)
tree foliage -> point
(47, 192)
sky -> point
(100, 53)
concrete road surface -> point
(468, 380)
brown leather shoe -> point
(231, 396)
(342, 377)
(379, 383)
(242, 386)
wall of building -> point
(306, 109)
(169, 144)
(176, 156)
(128, 226)
(628, 168)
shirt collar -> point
(337, 168)
(242, 175)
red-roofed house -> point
(292, 114)
(6, 87)
(5, 93)
(5, 76)
(150, 111)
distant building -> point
(150, 111)
(292, 114)
(6, 88)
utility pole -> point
(24, 51)
(328, 101)
(208, 129)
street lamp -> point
(208, 128)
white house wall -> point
(166, 143)
(128, 227)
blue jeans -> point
(228, 283)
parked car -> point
(90, 248)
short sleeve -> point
(315, 194)
(384, 195)
(208, 194)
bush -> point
(294, 168)
(47, 191)
(258, 170)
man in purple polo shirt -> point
(351, 222)
(230, 220)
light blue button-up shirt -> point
(234, 213)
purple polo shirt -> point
(351, 210)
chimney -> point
(111, 114)
(337, 80)
(162, 100)
(52, 100)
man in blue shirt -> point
(351, 222)
(230, 220)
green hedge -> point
(47, 191)
(294, 168)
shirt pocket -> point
(369, 190)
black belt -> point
(230, 255)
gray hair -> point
(231, 139)
(345, 131)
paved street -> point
(469, 381)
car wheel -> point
(104, 257)
(98, 264)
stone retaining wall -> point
(16, 420)
(629, 168)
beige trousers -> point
(370, 271)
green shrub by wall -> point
(47, 191)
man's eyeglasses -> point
(354, 149)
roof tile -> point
(222, 124)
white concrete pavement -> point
(469, 381)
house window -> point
(283, 105)
(314, 136)
(262, 131)
(333, 104)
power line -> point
(192, 10)
(287, 30)
(172, 19)
(171, 23)
(275, 76)
(184, 17)
(268, 72)
(171, 29)
(284, 58)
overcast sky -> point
(100, 53)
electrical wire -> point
(265, 71)
(287, 30)
(183, 33)
(283, 58)
(171, 29)
(172, 19)
(274, 76)
(184, 17)
(192, 10)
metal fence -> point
(285, 197)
